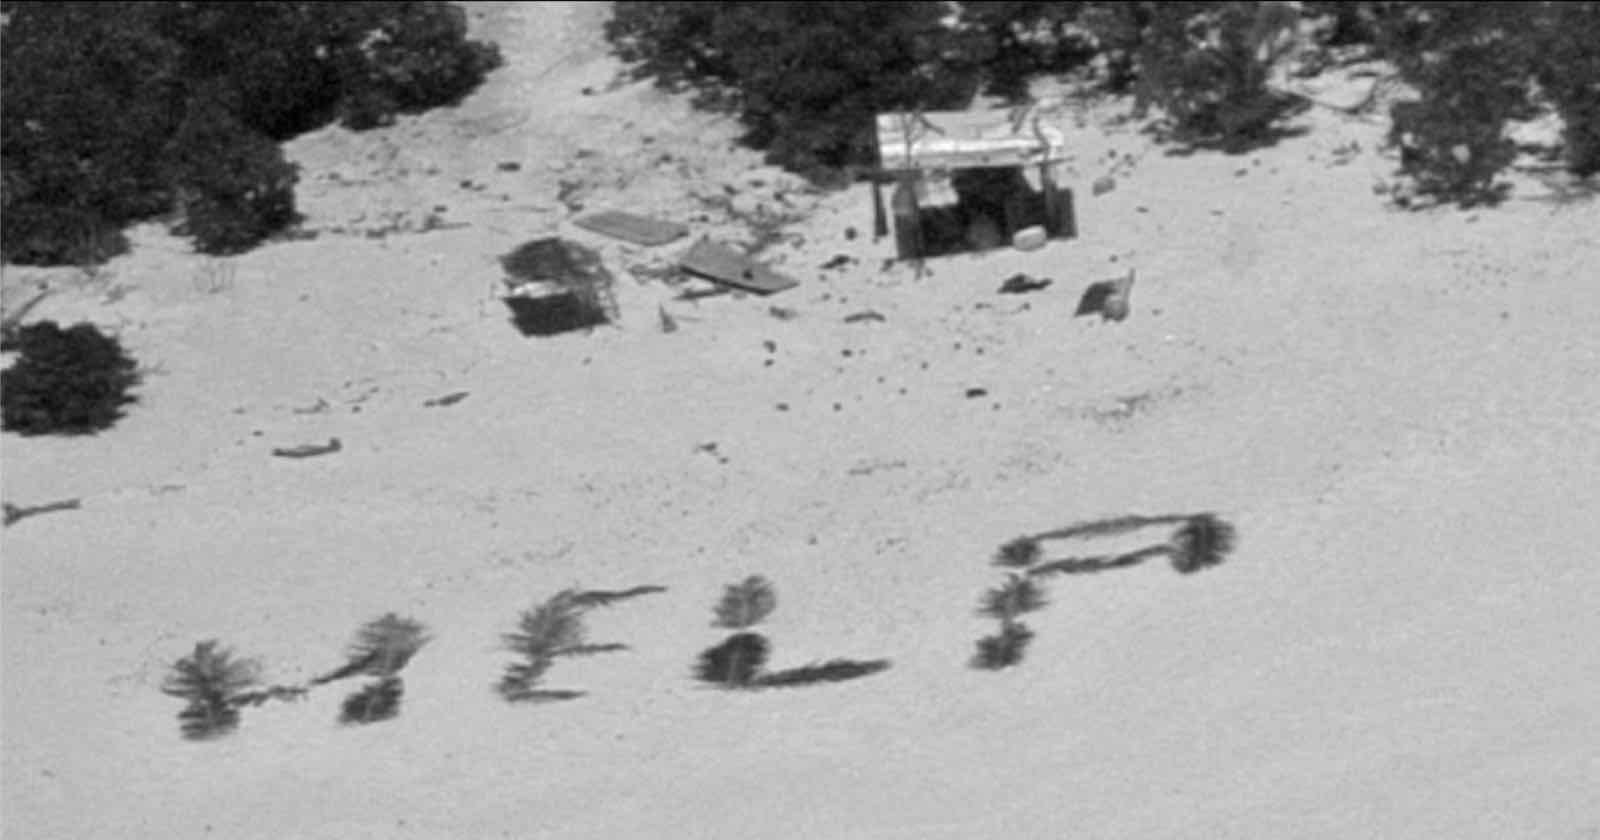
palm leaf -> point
(1201, 542)
(1016, 596)
(834, 670)
(1099, 563)
(746, 604)
(1107, 527)
(1019, 553)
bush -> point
(807, 78)
(235, 186)
(1017, 40)
(411, 57)
(86, 91)
(114, 112)
(1207, 66)
(1471, 64)
(73, 381)
(1568, 69)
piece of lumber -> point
(723, 264)
(309, 450)
(639, 230)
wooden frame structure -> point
(912, 144)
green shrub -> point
(66, 381)
(409, 57)
(1018, 40)
(1568, 69)
(806, 78)
(107, 109)
(85, 90)
(1207, 66)
(236, 187)
(1470, 64)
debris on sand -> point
(722, 264)
(1110, 298)
(639, 230)
(1018, 284)
(309, 450)
(447, 399)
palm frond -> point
(541, 695)
(834, 670)
(735, 662)
(1019, 553)
(1108, 527)
(376, 702)
(384, 645)
(1202, 541)
(1098, 563)
(1016, 596)
(549, 628)
(746, 604)
(210, 674)
(605, 597)
(1003, 649)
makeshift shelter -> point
(961, 179)
(556, 286)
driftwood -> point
(309, 450)
(11, 322)
(447, 399)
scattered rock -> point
(309, 450)
(509, 166)
(1029, 238)
(447, 399)
(1103, 185)
(974, 393)
(1018, 284)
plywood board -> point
(723, 264)
(628, 227)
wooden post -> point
(880, 219)
(1061, 220)
(907, 218)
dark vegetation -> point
(1198, 541)
(117, 112)
(381, 648)
(806, 79)
(740, 660)
(555, 629)
(72, 381)
(216, 685)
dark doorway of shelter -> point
(992, 205)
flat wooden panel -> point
(718, 262)
(639, 230)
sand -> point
(1397, 411)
